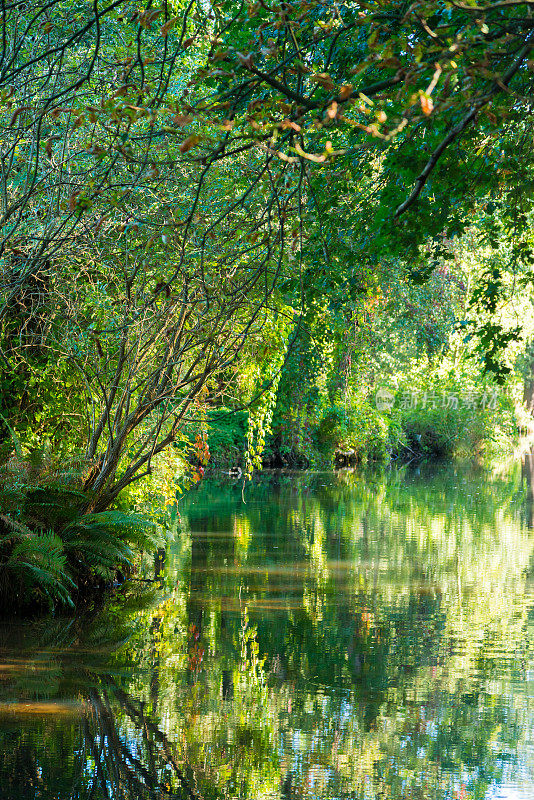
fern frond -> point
(137, 529)
(105, 542)
(37, 566)
(54, 506)
(12, 525)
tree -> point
(157, 269)
(161, 168)
(302, 82)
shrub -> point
(50, 550)
(359, 428)
(462, 429)
(227, 437)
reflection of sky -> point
(518, 779)
(509, 792)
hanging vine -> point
(260, 417)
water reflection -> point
(348, 635)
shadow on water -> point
(362, 635)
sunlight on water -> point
(40, 709)
(338, 635)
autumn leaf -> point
(287, 123)
(318, 159)
(389, 63)
(427, 104)
(331, 111)
(146, 19)
(247, 61)
(189, 143)
(169, 25)
(16, 114)
(100, 222)
(324, 79)
(121, 91)
(181, 120)
(219, 55)
(57, 111)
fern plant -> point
(49, 551)
(33, 567)
(101, 543)
(53, 506)
(41, 567)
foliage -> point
(226, 437)
(182, 183)
(97, 545)
(53, 554)
(32, 568)
(266, 208)
(466, 430)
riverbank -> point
(55, 554)
(52, 554)
(386, 426)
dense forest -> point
(236, 234)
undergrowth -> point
(51, 552)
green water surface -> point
(337, 635)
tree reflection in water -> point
(363, 636)
(142, 765)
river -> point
(364, 635)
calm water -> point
(337, 636)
